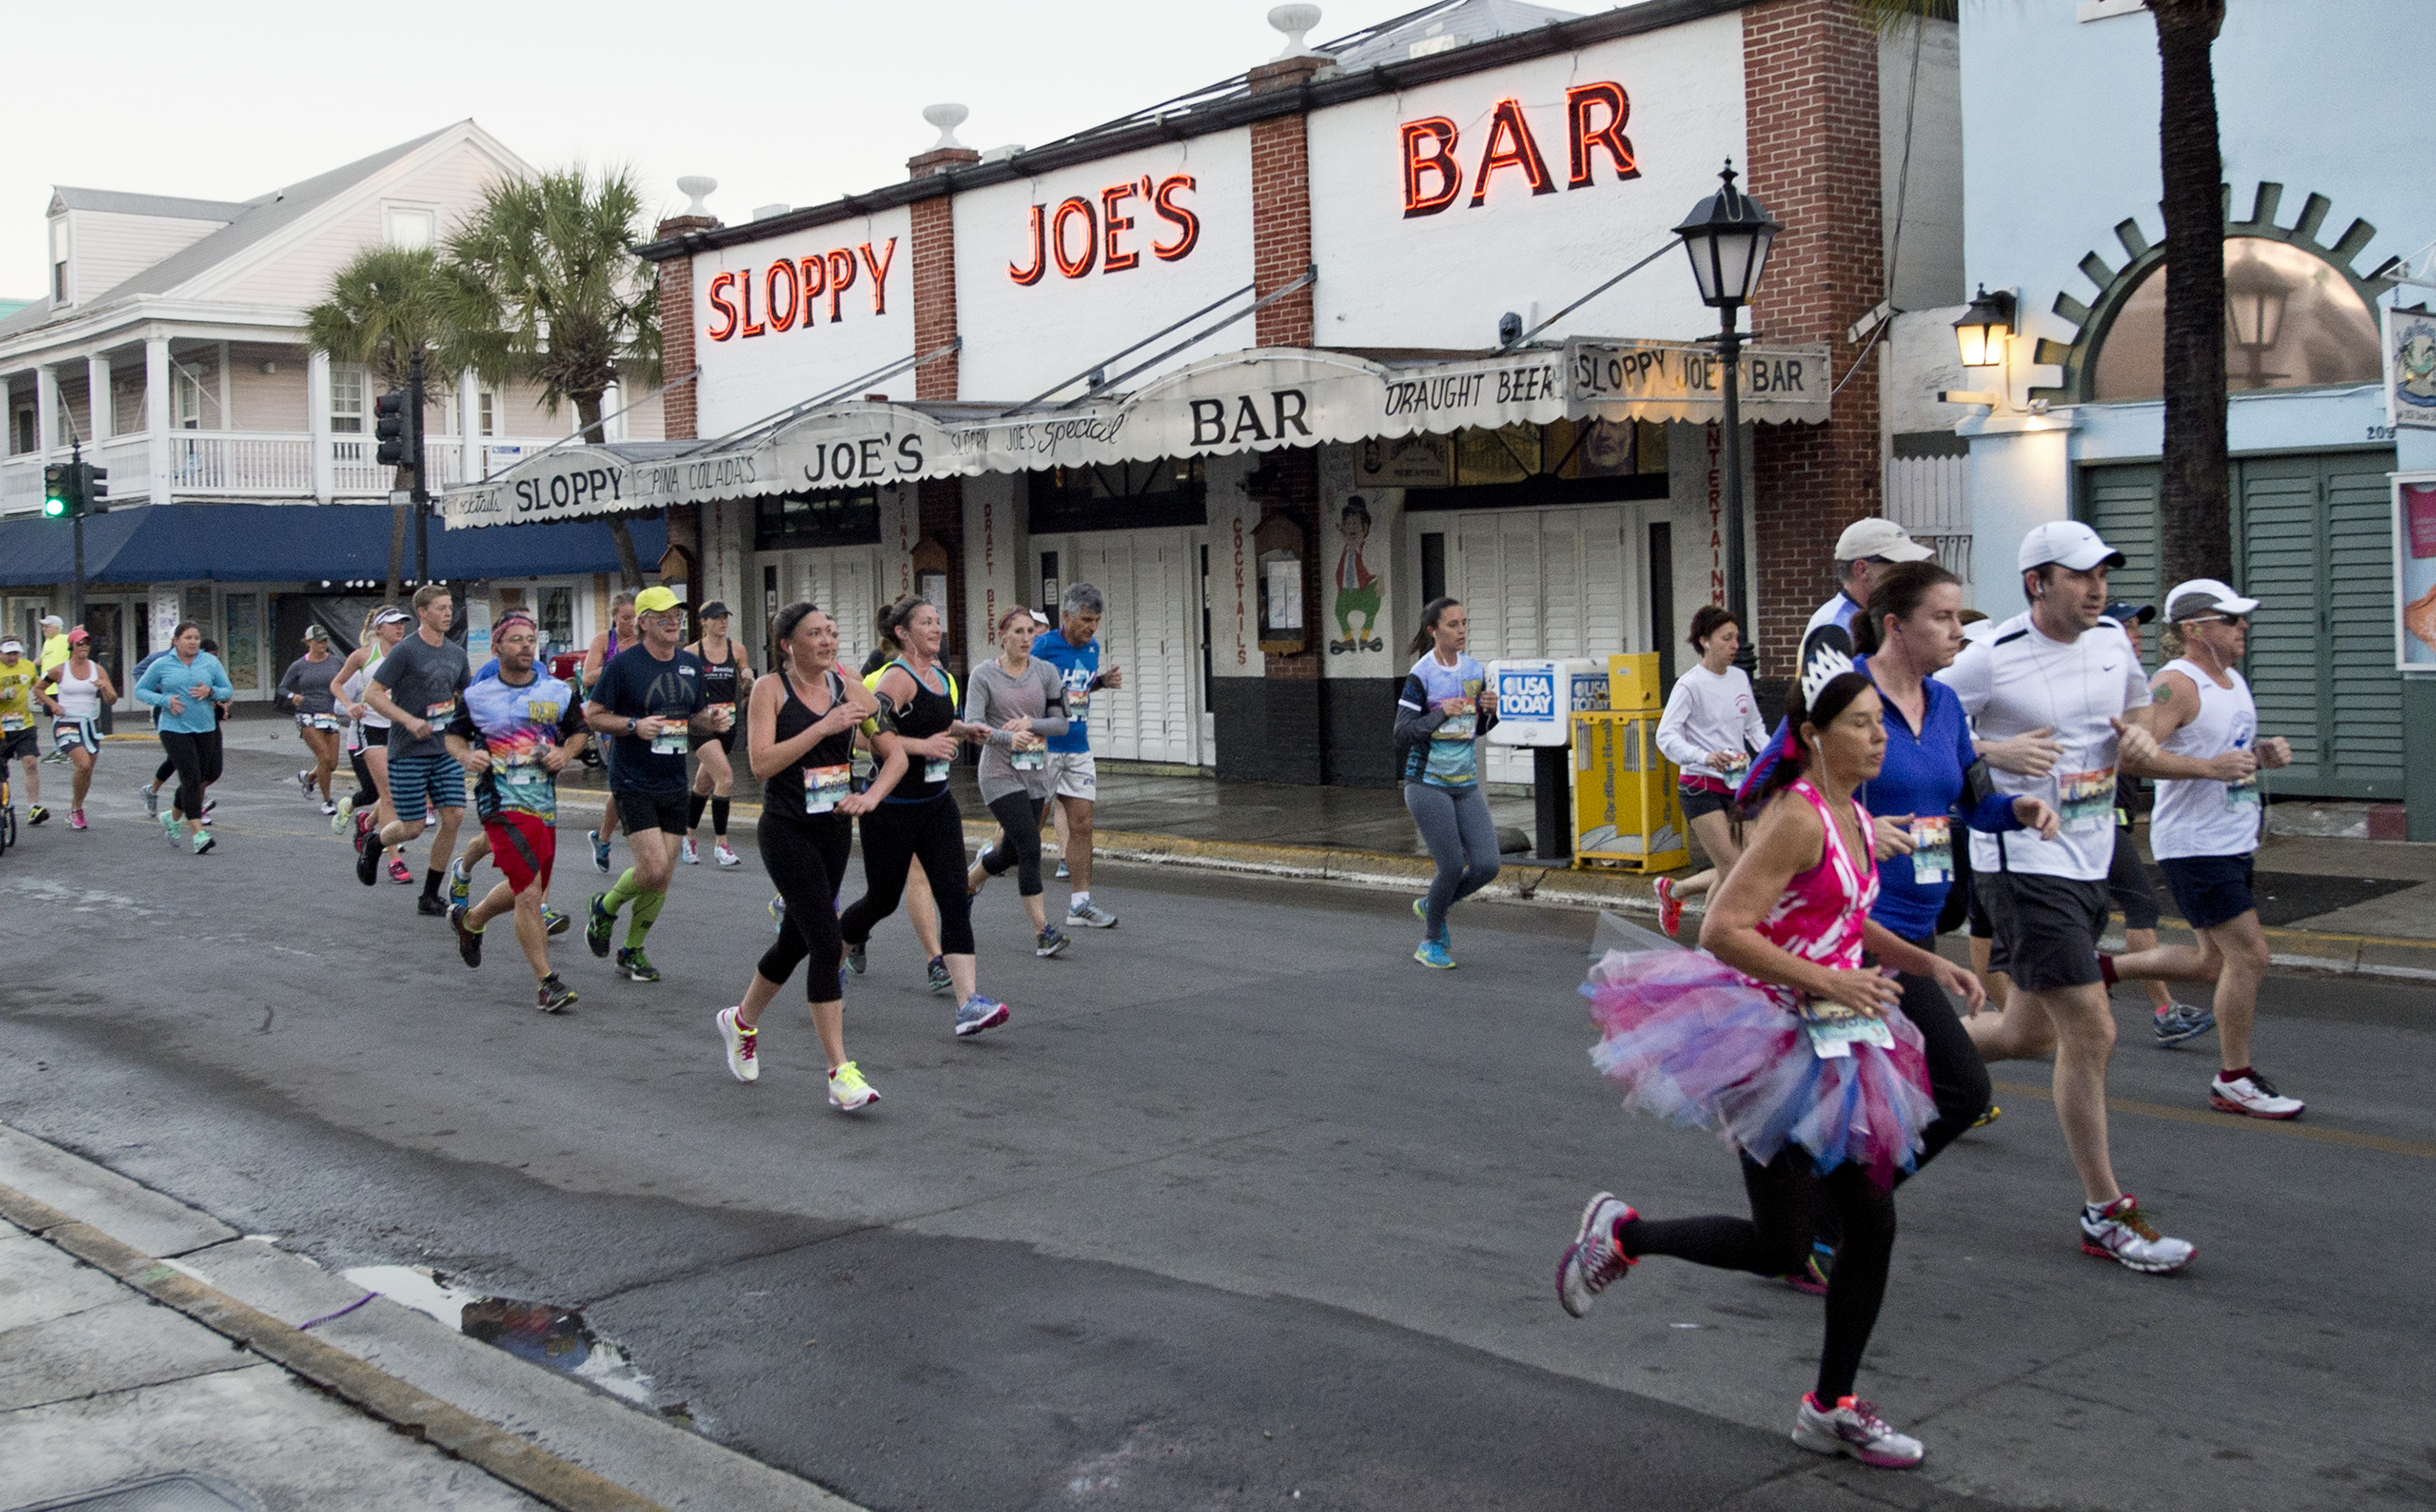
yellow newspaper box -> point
(1632, 683)
(1625, 811)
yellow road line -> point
(2235, 1121)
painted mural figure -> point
(1357, 586)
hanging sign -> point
(2410, 370)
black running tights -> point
(197, 760)
(1958, 1078)
(1775, 1240)
(805, 862)
(367, 792)
(895, 835)
(1018, 814)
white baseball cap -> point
(2067, 544)
(53, 620)
(10, 645)
(2205, 595)
(1884, 539)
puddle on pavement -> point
(546, 1334)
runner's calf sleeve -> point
(693, 810)
(621, 892)
(719, 816)
(647, 912)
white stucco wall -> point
(746, 377)
(1442, 279)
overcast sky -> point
(779, 103)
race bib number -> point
(11, 723)
(1833, 1029)
(320, 721)
(672, 740)
(2242, 794)
(934, 769)
(1078, 703)
(824, 788)
(1932, 849)
(441, 713)
(523, 783)
(2085, 800)
(1035, 760)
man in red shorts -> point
(513, 734)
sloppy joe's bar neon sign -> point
(1106, 228)
(1595, 117)
(788, 292)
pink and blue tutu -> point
(1695, 1042)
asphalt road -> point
(1242, 1204)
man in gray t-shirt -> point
(415, 688)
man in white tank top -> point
(2204, 831)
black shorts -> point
(2127, 884)
(1698, 801)
(1982, 927)
(17, 744)
(2211, 890)
(2047, 927)
(638, 812)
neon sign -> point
(1106, 224)
(1595, 117)
(789, 291)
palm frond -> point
(1889, 16)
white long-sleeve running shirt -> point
(1710, 711)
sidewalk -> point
(2331, 904)
(145, 1344)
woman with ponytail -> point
(1445, 707)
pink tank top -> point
(1821, 914)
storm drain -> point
(170, 1493)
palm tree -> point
(385, 305)
(544, 285)
(2195, 507)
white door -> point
(1152, 631)
(1557, 582)
(840, 580)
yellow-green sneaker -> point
(848, 1091)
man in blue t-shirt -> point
(1073, 648)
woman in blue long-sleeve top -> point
(1910, 631)
(187, 688)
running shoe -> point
(978, 1012)
(328, 809)
(855, 957)
(2184, 1022)
(553, 995)
(399, 873)
(1853, 1427)
(1422, 912)
(209, 803)
(460, 882)
(1052, 941)
(1993, 1114)
(1090, 916)
(365, 824)
(429, 906)
(1433, 954)
(726, 857)
(636, 966)
(1062, 873)
(304, 780)
(848, 1091)
(206, 820)
(342, 812)
(469, 942)
(204, 842)
(743, 1050)
(1593, 1260)
(687, 854)
(2253, 1094)
(553, 922)
(366, 861)
(1811, 1281)
(75, 819)
(940, 981)
(37, 814)
(778, 918)
(169, 828)
(2120, 1231)
(1670, 908)
(597, 922)
(152, 797)
(599, 851)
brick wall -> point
(1810, 75)
(676, 331)
(1282, 208)
(935, 273)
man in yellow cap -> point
(651, 702)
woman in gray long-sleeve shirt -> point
(305, 691)
(1024, 703)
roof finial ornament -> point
(1297, 23)
(947, 117)
(696, 188)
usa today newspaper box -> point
(1536, 700)
(1626, 811)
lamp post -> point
(1727, 236)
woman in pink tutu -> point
(1778, 1037)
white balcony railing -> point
(259, 464)
(238, 462)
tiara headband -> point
(1826, 664)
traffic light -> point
(94, 496)
(395, 428)
(60, 482)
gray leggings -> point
(1462, 839)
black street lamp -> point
(1729, 235)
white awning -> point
(1258, 400)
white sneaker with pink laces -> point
(1853, 1427)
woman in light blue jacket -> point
(187, 688)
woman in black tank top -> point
(727, 677)
(800, 740)
(917, 818)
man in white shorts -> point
(2204, 831)
(2067, 668)
(1073, 648)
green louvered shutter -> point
(2120, 504)
(2283, 569)
(2367, 690)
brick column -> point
(676, 329)
(1282, 207)
(1810, 84)
(934, 272)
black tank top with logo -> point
(718, 678)
(809, 792)
(931, 711)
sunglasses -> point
(2222, 620)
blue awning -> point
(299, 543)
